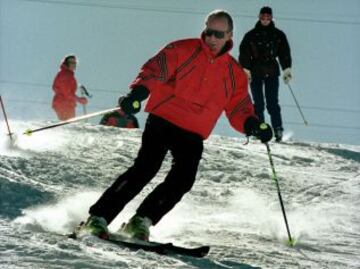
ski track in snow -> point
(49, 180)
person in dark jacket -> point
(190, 83)
(259, 51)
(120, 119)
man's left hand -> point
(260, 130)
(82, 100)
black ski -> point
(160, 248)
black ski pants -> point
(159, 137)
(271, 96)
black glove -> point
(261, 130)
(131, 103)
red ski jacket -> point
(64, 87)
(190, 87)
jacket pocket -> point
(162, 102)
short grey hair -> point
(220, 14)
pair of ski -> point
(160, 248)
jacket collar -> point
(64, 68)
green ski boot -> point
(96, 226)
(137, 228)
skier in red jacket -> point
(190, 83)
(119, 119)
(64, 86)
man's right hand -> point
(131, 103)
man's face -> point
(72, 64)
(265, 19)
(216, 34)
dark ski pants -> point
(159, 137)
(271, 97)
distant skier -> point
(64, 86)
(259, 51)
(120, 119)
(190, 83)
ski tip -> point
(73, 235)
(204, 251)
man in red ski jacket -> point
(190, 83)
(119, 119)
(64, 86)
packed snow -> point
(48, 181)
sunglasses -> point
(216, 33)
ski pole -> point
(61, 123)
(297, 104)
(291, 241)
(84, 92)
(84, 106)
(5, 117)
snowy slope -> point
(48, 181)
